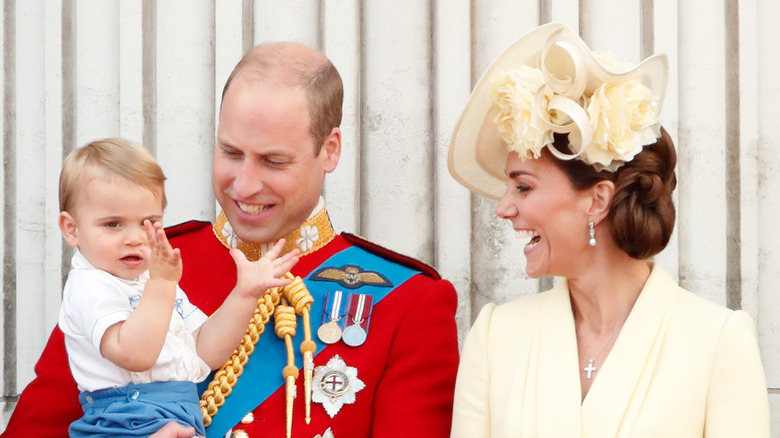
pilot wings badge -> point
(351, 277)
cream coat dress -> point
(681, 367)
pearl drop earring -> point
(592, 232)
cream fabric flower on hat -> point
(606, 128)
(623, 119)
(518, 122)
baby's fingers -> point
(278, 282)
(283, 265)
(162, 243)
(238, 257)
(161, 236)
(175, 256)
(151, 234)
(276, 250)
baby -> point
(136, 345)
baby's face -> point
(109, 230)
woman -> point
(571, 145)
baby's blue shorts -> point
(138, 410)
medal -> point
(336, 385)
(354, 335)
(359, 306)
(330, 332)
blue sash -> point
(263, 376)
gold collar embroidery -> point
(312, 235)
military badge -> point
(351, 277)
(336, 385)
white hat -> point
(562, 87)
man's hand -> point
(174, 430)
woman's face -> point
(546, 209)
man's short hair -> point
(295, 65)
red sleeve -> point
(51, 401)
(415, 393)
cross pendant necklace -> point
(590, 368)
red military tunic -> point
(408, 362)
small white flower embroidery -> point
(309, 236)
(230, 236)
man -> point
(387, 360)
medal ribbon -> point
(358, 318)
(362, 308)
(335, 308)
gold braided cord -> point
(226, 377)
(297, 294)
(284, 322)
(300, 298)
(284, 325)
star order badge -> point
(336, 385)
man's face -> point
(265, 175)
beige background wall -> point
(152, 71)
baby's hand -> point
(254, 278)
(164, 261)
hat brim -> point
(477, 154)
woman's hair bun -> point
(642, 213)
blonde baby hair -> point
(109, 158)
